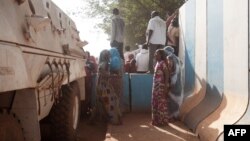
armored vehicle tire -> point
(64, 115)
(10, 128)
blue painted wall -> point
(141, 91)
(189, 41)
(215, 45)
(126, 98)
(215, 67)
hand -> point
(166, 91)
(167, 88)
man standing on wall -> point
(155, 36)
(117, 32)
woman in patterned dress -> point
(160, 90)
(115, 80)
(107, 102)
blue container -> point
(126, 97)
(141, 91)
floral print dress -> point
(159, 101)
(107, 103)
(108, 97)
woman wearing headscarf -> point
(107, 102)
(116, 73)
(176, 86)
(160, 115)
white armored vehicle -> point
(41, 71)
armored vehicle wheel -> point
(64, 115)
(10, 128)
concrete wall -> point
(214, 48)
(141, 92)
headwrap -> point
(169, 50)
(104, 56)
(115, 59)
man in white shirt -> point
(155, 36)
(142, 59)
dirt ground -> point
(136, 127)
(85, 131)
(91, 132)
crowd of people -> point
(151, 57)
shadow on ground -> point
(91, 132)
(137, 127)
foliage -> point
(136, 14)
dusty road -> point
(136, 127)
(90, 132)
